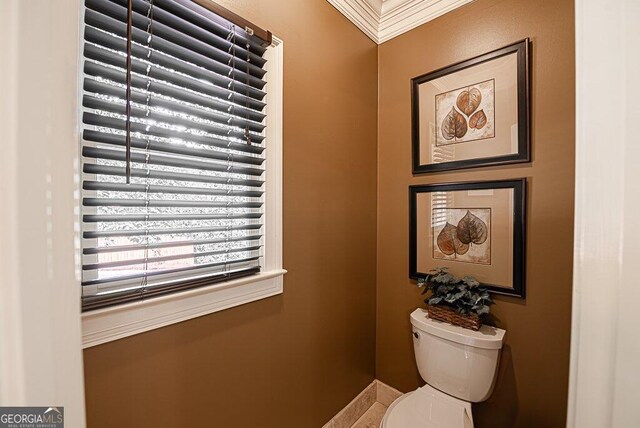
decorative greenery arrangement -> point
(465, 296)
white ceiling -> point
(382, 20)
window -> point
(173, 190)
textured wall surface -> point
(293, 360)
(533, 377)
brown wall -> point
(296, 359)
(532, 384)
(293, 360)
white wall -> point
(40, 348)
(605, 351)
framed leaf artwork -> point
(473, 113)
(475, 228)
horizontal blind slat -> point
(229, 263)
(165, 89)
(154, 159)
(171, 244)
(209, 21)
(139, 21)
(158, 130)
(172, 56)
(165, 231)
(221, 40)
(214, 152)
(120, 263)
(217, 39)
(168, 118)
(114, 202)
(155, 188)
(131, 294)
(237, 103)
(119, 140)
(89, 168)
(141, 96)
(94, 218)
(186, 63)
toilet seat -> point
(427, 407)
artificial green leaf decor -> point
(465, 296)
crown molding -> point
(383, 20)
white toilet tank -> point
(455, 360)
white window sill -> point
(104, 325)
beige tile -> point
(329, 424)
(386, 395)
(372, 417)
(358, 406)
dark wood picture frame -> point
(519, 187)
(522, 49)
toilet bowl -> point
(459, 366)
(428, 407)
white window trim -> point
(107, 324)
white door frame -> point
(40, 337)
(605, 340)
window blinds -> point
(192, 212)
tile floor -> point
(367, 409)
(372, 417)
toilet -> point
(459, 366)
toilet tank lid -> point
(487, 337)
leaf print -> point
(471, 229)
(449, 243)
(453, 125)
(469, 100)
(478, 120)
